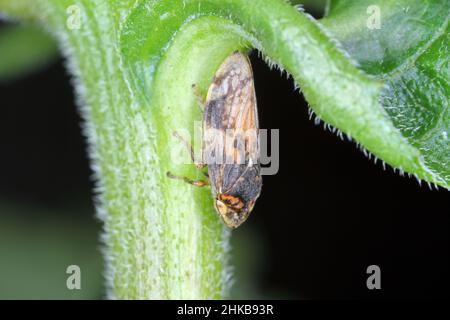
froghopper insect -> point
(230, 146)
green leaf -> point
(23, 49)
(134, 64)
(37, 248)
(410, 54)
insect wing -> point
(231, 140)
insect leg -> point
(191, 150)
(201, 102)
(197, 183)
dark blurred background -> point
(320, 222)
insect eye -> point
(233, 202)
(229, 200)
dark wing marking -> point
(243, 181)
(231, 110)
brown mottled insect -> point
(231, 141)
